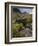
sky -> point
(28, 10)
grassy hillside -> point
(19, 23)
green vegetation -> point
(16, 28)
(20, 24)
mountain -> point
(16, 10)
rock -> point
(26, 32)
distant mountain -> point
(16, 10)
(25, 12)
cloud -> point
(28, 10)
